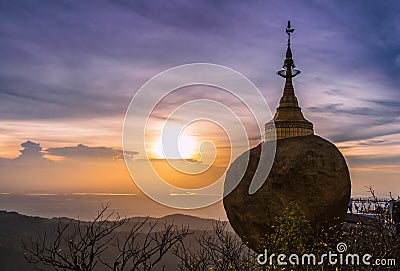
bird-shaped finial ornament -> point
(289, 29)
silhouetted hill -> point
(193, 222)
(16, 228)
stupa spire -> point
(288, 72)
(288, 120)
(288, 65)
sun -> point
(182, 146)
(187, 146)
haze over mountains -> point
(85, 205)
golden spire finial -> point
(288, 31)
(288, 65)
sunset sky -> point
(69, 70)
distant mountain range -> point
(16, 228)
